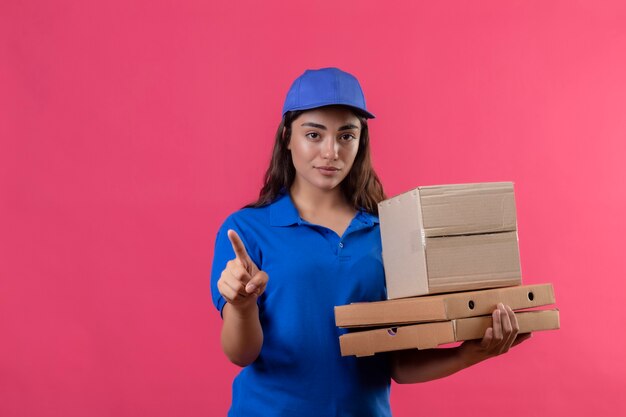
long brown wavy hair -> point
(361, 187)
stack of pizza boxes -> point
(450, 255)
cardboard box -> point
(442, 307)
(529, 321)
(430, 335)
(450, 238)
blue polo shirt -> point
(300, 371)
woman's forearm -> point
(242, 335)
(411, 366)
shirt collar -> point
(284, 213)
(369, 218)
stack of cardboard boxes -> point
(460, 243)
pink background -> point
(131, 129)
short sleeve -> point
(223, 253)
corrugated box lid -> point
(468, 208)
(442, 307)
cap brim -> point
(359, 111)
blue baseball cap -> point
(324, 87)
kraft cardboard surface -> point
(529, 321)
(460, 209)
(421, 336)
(460, 263)
(450, 238)
(442, 307)
(430, 335)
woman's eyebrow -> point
(319, 126)
(349, 127)
(315, 125)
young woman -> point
(312, 242)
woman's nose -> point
(331, 149)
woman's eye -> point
(348, 136)
(312, 135)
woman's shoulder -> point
(247, 217)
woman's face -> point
(324, 142)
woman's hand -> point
(497, 340)
(241, 282)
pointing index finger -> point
(238, 246)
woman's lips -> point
(327, 170)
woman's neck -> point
(312, 202)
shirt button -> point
(341, 244)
